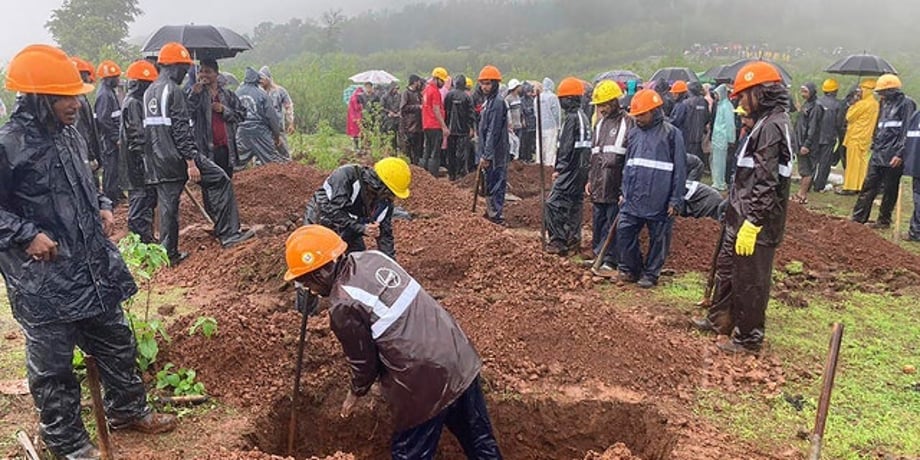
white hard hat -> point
(514, 83)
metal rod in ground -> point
(542, 172)
(830, 371)
(476, 187)
(102, 427)
(897, 215)
(611, 235)
(295, 393)
(198, 205)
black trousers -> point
(431, 159)
(914, 232)
(457, 149)
(111, 186)
(742, 290)
(415, 145)
(222, 159)
(882, 178)
(55, 389)
(141, 205)
(824, 157)
(528, 146)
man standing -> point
(653, 189)
(433, 121)
(390, 122)
(570, 175)
(831, 132)
(515, 115)
(912, 169)
(755, 218)
(394, 332)
(860, 121)
(886, 163)
(605, 176)
(460, 118)
(494, 147)
(529, 114)
(175, 158)
(410, 111)
(134, 150)
(259, 134)
(691, 115)
(108, 112)
(808, 135)
(215, 111)
(65, 279)
(86, 122)
(284, 108)
(550, 120)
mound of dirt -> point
(618, 451)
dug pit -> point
(527, 427)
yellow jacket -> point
(861, 119)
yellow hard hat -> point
(469, 83)
(440, 73)
(830, 85)
(868, 83)
(888, 81)
(605, 92)
(395, 174)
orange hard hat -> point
(490, 72)
(142, 70)
(679, 87)
(174, 53)
(44, 69)
(753, 74)
(84, 66)
(570, 86)
(644, 101)
(309, 248)
(108, 69)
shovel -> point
(611, 235)
(706, 302)
(306, 303)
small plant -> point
(207, 325)
(795, 268)
(146, 334)
(182, 381)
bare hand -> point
(108, 222)
(622, 200)
(896, 161)
(217, 107)
(348, 406)
(588, 188)
(194, 174)
(372, 230)
(672, 211)
(198, 86)
(485, 164)
(555, 175)
(445, 131)
(804, 151)
(42, 248)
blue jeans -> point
(467, 418)
(603, 217)
(630, 256)
(496, 183)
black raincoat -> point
(261, 126)
(808, 124)
(608, 157)
(108, 116)
(199, 106)
(168, 129)
(134, 148)
(86, 126)
(891, 132)
(565, 203)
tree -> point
(332, 23)
(93, 29)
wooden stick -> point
(102, 427)
(830, 371)
(897, 215)
(198, 205)
(27, 446)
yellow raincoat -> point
(861, 119)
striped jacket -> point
(656, 170)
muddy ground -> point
(568, 374)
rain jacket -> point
(86, 126)
(410, 110)
(723, 129)
(261, 125)
(664, 90)
(808, 124)
(515, 120)
(46, 188)
(550, 110)
(390, 103)
(199, 106)
(691, 115)
(656, 170)
(494, 144)
(459, 110)
(608, 156)
(760, 191)
(391, 329)
(108, 113)
(355, 112)
(832, 120)
(134, 147)
(702, 201)
(528, 109)
(346, 203)
(912, 148)
(168, 130)
(891, 131)
(861, 119)
(574, 152)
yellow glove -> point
(747, 239)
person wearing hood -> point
(631, 87)
(283, 106)
(394, 333)
(550, 121)
(357, 201)
(886, 165)
(723, 135)
(605, 173)
(356, 103)
(570, 174)
(679, 113)
(912, 170)
(458, 107)
(653, 190)
(698, 115)
(755, 218)
(259, 134)
(702, 201)
(175, 158)
(134, 150)
(494, 145)
(65, 278)
(831, 133)
(410, 121)
(86, 122)
(216, 112)
(860, 121)
(529, 114)
(808, 135)
(433, 121)
(664, 90)
(108, 113)
(389, 105)
(515, 115)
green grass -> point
(874, 408)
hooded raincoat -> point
(261, 126)
(460, 119)
(566, 199)
(808, 123)
(912, 169)
(133, 149)
(723, 134)
(861, 119)
(550, 122)
(108, 116)
(495, 146)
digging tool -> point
(542, 173)
(102, 427)
(830, 371)
(478, 187)
(198, 205)
(706, 302)
(897, 214)
(31, 453)
(310, 303)
(611, 235)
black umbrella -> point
(715, 74)
(731, 70)
(203, 41)
(621, 76)
(861, 64)
(670, 74)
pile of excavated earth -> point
(568, 374)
